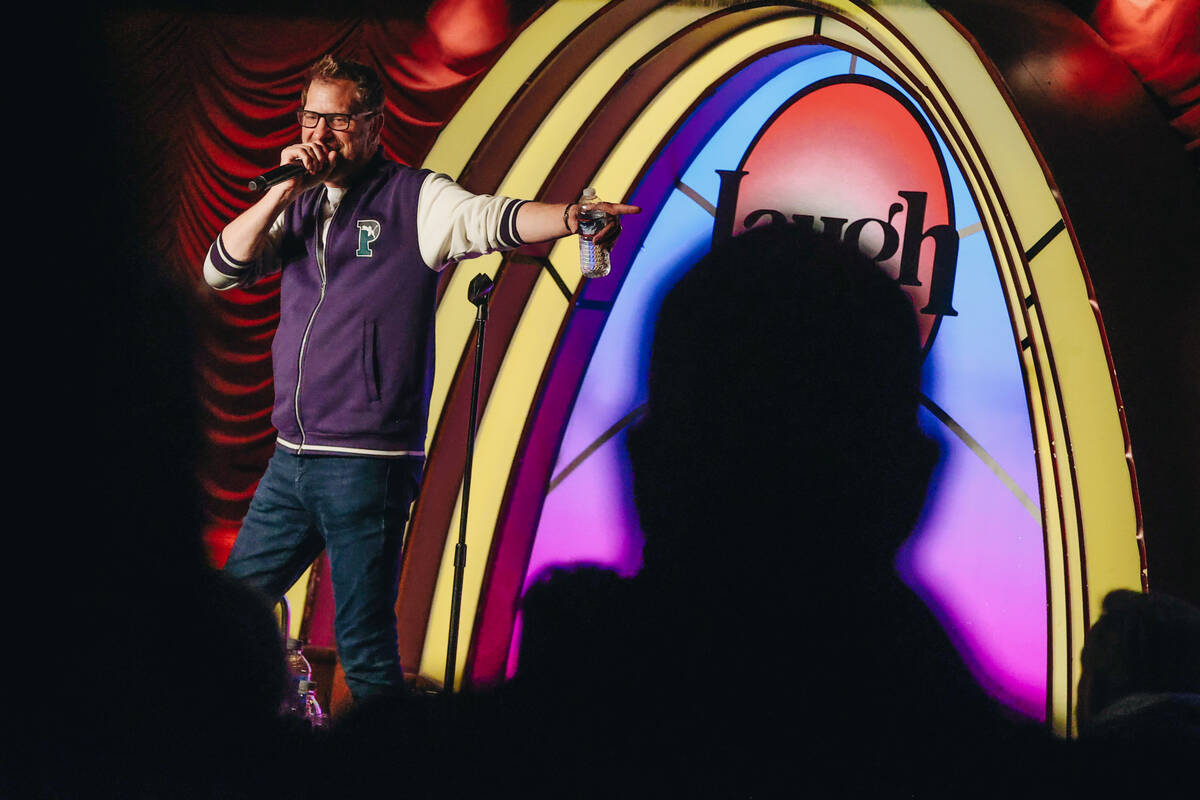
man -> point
(360, 240)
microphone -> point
(278, 175)
(480, 288)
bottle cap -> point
(294, 644)
(588, 196)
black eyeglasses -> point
(337, 122)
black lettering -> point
(945, 264)
(891, 237)
(805, 222)
(910, 256)
(727, 198)
(777, 217)
(945, 256)
(832, 227)
(945, 239)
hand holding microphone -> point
(280, 174)
(298, 160)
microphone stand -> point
(478, 293)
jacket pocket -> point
(370, 360)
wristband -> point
(566, 217)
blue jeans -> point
(354, 508)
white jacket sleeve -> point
(454, 224)
(222, 271)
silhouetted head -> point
(1143, 644)
(783, 389)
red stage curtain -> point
(1160, 41)
(208, 101)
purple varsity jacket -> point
(354, 351)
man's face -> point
(356, 145)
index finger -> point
(619, 208)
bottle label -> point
(591, 222)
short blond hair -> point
(368, 89)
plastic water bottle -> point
(593, 259)
(299, 672)
(312, 709)
(296, 662)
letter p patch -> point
(368, 232)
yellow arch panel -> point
(572, 110)
(656, 120)
(453, 324)
(838, 31)
(1064, 568)
(1091, 407)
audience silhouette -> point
(143, 672)
(1141, 670)
(150, 673)
(1139, 694)
(767, 644)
